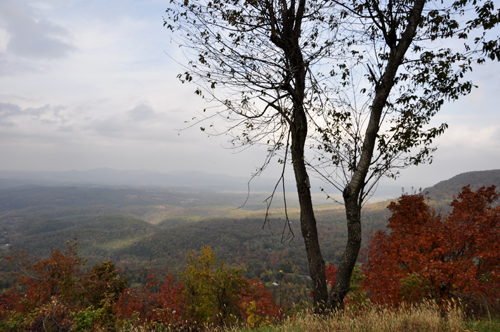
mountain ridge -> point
(446, 190)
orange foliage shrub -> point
(427, 255)
(45, 293)
(44, 279)
(162, 305)
(256, 305)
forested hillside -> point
(144, 230)
(147, 230)
(444, 191)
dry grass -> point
(424, 317)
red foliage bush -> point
(427, 255)
(55, 292)
(162, 305)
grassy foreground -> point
(424, 317)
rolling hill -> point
(144, 229)
(449, 188)
(150, 229)
(444, 192)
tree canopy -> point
(357, 81)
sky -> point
(92, 84)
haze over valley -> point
(121, 216)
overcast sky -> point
(87, 84)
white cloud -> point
(7, 112)
(30, 34)
(467, 136)
(4, 40)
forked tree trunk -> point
(354, 190)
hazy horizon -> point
(92, 84)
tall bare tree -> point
(413, 55)
(262, 53)
(356, 80)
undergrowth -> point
(422, 317)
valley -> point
(146, 230)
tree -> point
(103, 282)
(207, 293)
(427, 255)
(256, 50)
(220, 295)
(212, 292)
(283, 72)
(101, 288)
(372, 133)
(56, 276)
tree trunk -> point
(354, 190)
(307, 219)
(288, 39)
(346, 266)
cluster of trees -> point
(428, 256)
(54, 294)
(139, 248)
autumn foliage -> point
(208, 293)
(423, 256)
(50, 293)
(54, 294)
(426, 255)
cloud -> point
(12, 66)
(29, 42)
(12, 115)
(496, 137)
(472, 136)
(8, 111)
(32, 36)
(142, 112)
(88, 122)
(139, 123)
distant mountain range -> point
(446, 190)
(143, 178)
(177, 180)
(201, 181)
